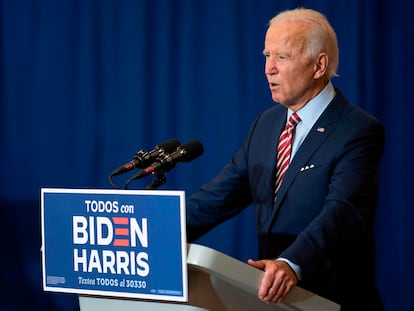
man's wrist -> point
(293, 266)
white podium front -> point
(216, 282)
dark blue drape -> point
(85, 84)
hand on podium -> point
(277, 281)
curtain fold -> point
(86, 84)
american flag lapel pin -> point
(320, 129)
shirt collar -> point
(316, 106)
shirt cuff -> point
(294, 267)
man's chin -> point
(276, 99)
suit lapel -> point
(321, 130)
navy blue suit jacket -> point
(323, 216)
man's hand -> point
(277, 281)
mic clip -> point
(160, 180)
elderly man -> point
(310, 167)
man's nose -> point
(270, 66)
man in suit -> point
(315, 220)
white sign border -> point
(179, 193)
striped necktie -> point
(284, 149)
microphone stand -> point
(160, 180)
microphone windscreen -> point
(191, 150)
(169, 145)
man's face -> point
(291, 76)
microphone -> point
(143, 159)
(166, 162)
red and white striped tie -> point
(284, 149)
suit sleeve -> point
(223, 197)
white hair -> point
(321, 37)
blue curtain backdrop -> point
(85, 84)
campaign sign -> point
(121, 243)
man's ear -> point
(321, 65)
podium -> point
(124, 250)
(216, 282)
